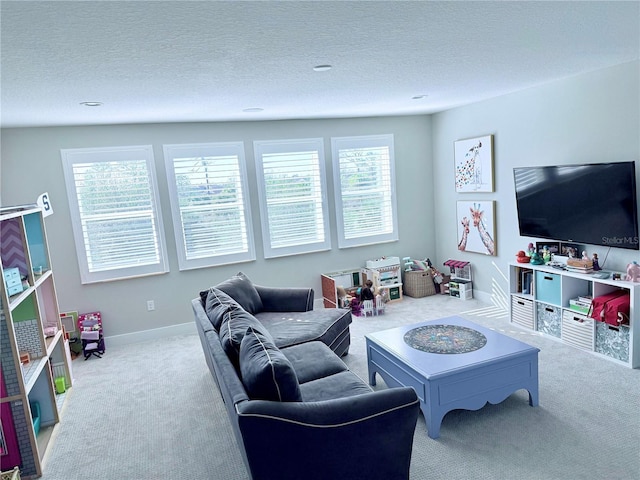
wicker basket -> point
(418, 284)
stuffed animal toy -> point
(633, 272)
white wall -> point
(588, 118)
(31, 164)
(584, 119)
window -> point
(115, 212)
(209, 204)
(293, 200)
(363, 169)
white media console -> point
(540, 300)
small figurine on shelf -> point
(584, 255)
(596, 265)
(530, 249)
(546, 254)
(633, 272)
(522, 257)
(536, 259)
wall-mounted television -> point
(592, 204)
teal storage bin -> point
(547, 288)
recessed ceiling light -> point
(91, 104)
(322, 68)
(419, 97)
(253, 109)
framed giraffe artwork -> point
(476, 226)
(473, 160)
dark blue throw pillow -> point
(235, 323)
(218, 303)
(241, 289)
(266, 373)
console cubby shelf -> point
(540, 300)
(32, 343)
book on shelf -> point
(578, 269)
(526, 282)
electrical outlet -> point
(151, 305)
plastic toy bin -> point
(548, 288)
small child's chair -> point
(367, 308)
(90, 326)
(379, 305)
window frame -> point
(286, 146)
(214, 149)
(71, 157)
(364, 142)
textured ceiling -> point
(179, 61)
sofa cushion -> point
(339, 385)
(241, 289)
(235, 323)
(266, 373)
(313, 360)
(217, 304)
(293, 328)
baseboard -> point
(153, 334)
(482, 296)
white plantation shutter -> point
(209, 204)
(364, 179)
(115, 212)
(293, 200)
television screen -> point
(592, 204)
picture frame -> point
(476, 226)
(554, 247)
(69, 322)
(571, 250)
(473, 163)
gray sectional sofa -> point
(296, 410)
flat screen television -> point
(592, 204)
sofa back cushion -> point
(235, 323)
(266, 373)
(217, 304)
(242, 290)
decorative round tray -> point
(447, 339)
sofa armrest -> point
(284, 299)
(364, 436)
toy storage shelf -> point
(546, 299)
(31, 340)
(348, 279)
(386, 274)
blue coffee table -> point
(488, 367)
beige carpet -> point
(151, 411)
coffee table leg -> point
(372, 376)
(433, 422)
(533, 396)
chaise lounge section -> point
(296, 410)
